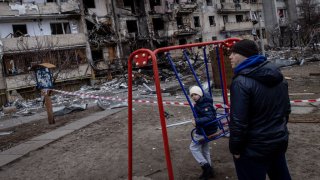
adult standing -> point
(260, 109)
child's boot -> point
(207, 172)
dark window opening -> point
(97, 55)
(154, 3)
(89, 4)
(212, 21)
(239, 18)
(51, 0)
(90, 25)
(132, 26)
(182, 41)
(263, 33)
(225, 18)
(214, 38)
(19, 30)
(60, 28)
(158, 24)
(179, 21)
(196, 21)
(209, 3)
(127, 3)
(177, 1)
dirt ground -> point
(99, 151)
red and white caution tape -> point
(155, 102)
(126, 100)
(305, 101)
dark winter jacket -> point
(206, 113)
(260, 107)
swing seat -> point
(223, 130)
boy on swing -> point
(206, 113)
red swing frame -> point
(141, 57)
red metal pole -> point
(162, 118)
(130, 117)
(160, 106)
(224, 79)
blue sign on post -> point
(43, 78)
(43, 75)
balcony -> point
(25, 11)
(185, 31)
(29, 44)
(239, 7)
(184, 9)
(27, 80)
(239, 26)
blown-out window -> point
(60, 28)
(19, 30)
(196, 21)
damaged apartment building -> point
(92, 38)
(118, 27)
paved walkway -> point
(44, 139)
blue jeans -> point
(254, 169)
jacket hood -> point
(266, 73)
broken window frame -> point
(154, 3)
(183, 41)
(19, 30)
(179, 21)
(65, 28)
(89, 4)
(196, 21)
(209, 3)
(225, 18)
(212, 21)
(158, 24)
(239, 18)
(131, 28)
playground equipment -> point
(141, 58)
(223, 130)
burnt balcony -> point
(239, 26)
(30, 10)
(184, 9)
(225, 8)
(29, 44)
(185, 31)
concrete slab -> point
(5, 159)
(25, 148)
(302, 109)
(55, 134)
(21, 120)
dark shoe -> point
(203, 172)
(207, 172)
